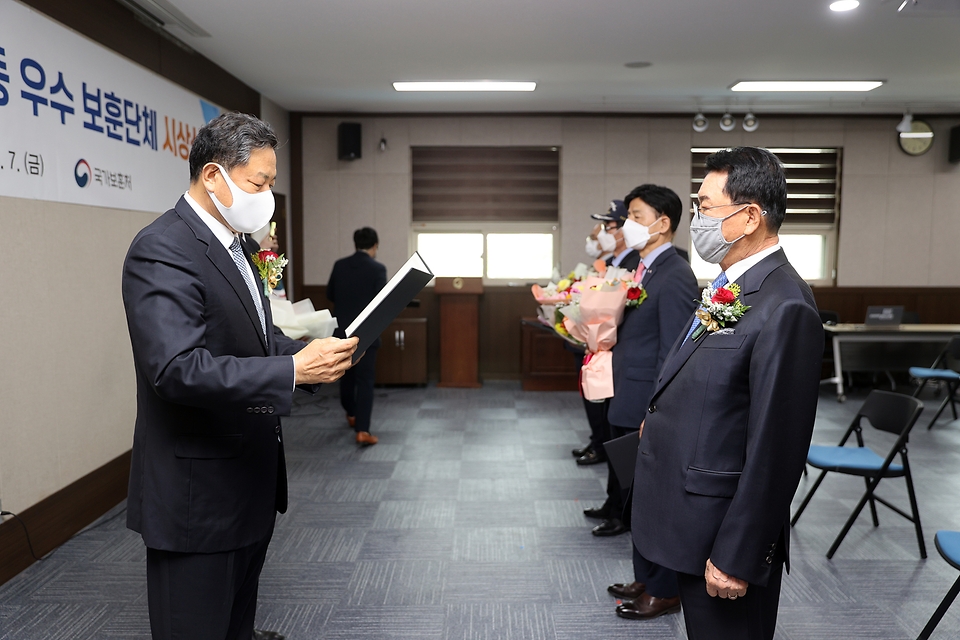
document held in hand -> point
(412, 277)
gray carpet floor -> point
(466, 522)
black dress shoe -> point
(629, 590)
(646, 607)
(610, 527)
(260, 634)
(602, 512)
(591, 457)
(581, 451)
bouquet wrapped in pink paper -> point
(585, 309)
(594, 323)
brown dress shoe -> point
(646, 607)
(352, 421)
(364, 438)
(627, 590)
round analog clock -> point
(918, 140)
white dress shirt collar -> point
(737, 269)
(220, 230)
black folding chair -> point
(890, 412)
(948, 544)
(944, 370)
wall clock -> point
(918, 140)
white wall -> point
(900, 216)
(67, 385)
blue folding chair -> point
(886, 411)
(945, 370)
(948, 544)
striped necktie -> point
(719, 282)
(241, 261)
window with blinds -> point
(809, 232)
(813, 181)
(485, 184)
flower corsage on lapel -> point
(718, 308)
(270, 265)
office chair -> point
(946, 370)
(890, 412)
(948, 544)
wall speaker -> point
(955, 145)
(348, 141)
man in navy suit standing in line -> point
(207, 473)
(354, 282)
(643, 340)
(730, 420)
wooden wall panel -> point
(935, 305)
(501, 309)
(55, 519)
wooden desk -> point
(545, 363)
(932, 334)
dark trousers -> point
(616, 495)
(752, 617)
(204, 596)
(660, 581)
(356, 389)
(599, 427)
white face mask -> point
(250, 211)
(608, 241)
(635, 235)
(593, 248)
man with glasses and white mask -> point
(207, 474)
(729, 423)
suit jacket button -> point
(269, 409)
(276, 429)
(263, 409)
(256, 409)
(769, 560)
(249, 409)
(652, 408)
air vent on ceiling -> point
(165, 15)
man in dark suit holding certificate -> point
(729, 423)
(207, 473)
(354, 282)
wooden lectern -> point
(459, 331)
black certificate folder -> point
(403, 287)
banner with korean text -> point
(81, 124)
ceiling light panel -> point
(807, 85)
(844, 5)
(473, 85)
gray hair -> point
(228, 140)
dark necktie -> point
(719, 282)
(241, 261)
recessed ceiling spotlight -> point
(844, 5)
(469, 85)
(637, 65)
(750, 123)
(700, 123)
(727, 122)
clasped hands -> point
(324, 360)
(722, 585)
